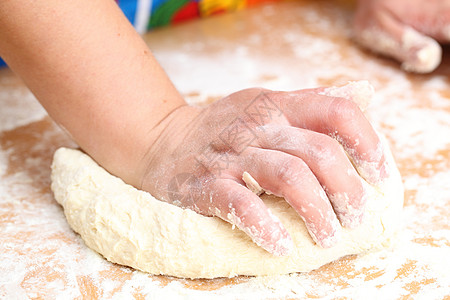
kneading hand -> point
(407, 30)
(291, 143)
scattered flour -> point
(36, 240)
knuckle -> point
(326, 147)
(291, 171)
(343, 111)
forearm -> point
(93, 74)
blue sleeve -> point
(2, 63)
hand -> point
(286, 141)
(407, 30)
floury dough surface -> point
(130, 227)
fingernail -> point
(349, 215)
(323, 238)
(282, 247)
(275, 240)
(275, 243)
(331, 239)
(372, 172)
(279, 242)
(375, 170)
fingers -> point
(360, 92)
(387, 35)
(441, 33)
(288, 176)
(340, 119)
(329, 164)
(438, 29)
(441, 30)
(432, 20)
(348, 125)
(238, 205)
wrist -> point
(165, 138)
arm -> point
(93, 74)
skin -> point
(97, 79)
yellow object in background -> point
(212, 7)
(148, 14)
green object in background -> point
(164, 13)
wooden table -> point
(285, 46)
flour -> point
(410, 110)
(19, 107)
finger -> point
(441, 33)
(415, 51)
(340, 119)
(288, 176)
(360, 92)
(434, 23)
(236, 204)
(440, 30)
(329, 163)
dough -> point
(130, 227)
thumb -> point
(386, 35)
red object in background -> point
(189, 11)
(256, 2)
(218, 11)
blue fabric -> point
(2, 63)
(129, 8)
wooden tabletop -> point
(285, 46)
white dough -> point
(130, 227)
